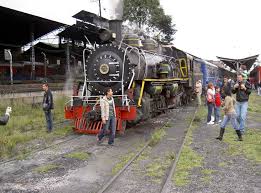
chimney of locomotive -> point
(116, 28)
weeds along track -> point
(66, 139)
(108, 187)
(175, 162)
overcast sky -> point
(206, 28)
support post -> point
(68, 57)
(32, 54)
(44, 64)
(8, 56)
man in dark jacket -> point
(4, 119)
(242, 89)
(48, 106)
(226, 88)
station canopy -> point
(16, 27)
(87, 25)
(235, 63)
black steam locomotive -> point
(146, 77)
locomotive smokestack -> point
(115, 23)
(115, 27)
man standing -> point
(108, 115)
(226, 88)
(4, 119)
(198, 91)
(242, 89)
(48, 106)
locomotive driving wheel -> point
(105, 64)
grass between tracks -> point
(45, 168)
(78, 155)
(27, 123)
(158, 166)
(156, 137)
(189, 159)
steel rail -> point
(44, 148)
(175, 162)
(110, 182)
(173, 166)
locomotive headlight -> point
(113, 35)
(104, 68)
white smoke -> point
(116, 9)
(70, 77)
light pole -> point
(8, 56)
(100, 7)
(44, 63)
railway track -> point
(56, 124)
(167, 182)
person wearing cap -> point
(4, 119)
(198, 90)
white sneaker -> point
(210, 123)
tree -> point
(149, 13)
(162, 23)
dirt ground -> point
(222, 166)
(227, 166)
(51, 170)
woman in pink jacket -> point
(108, 115)
(210, 102)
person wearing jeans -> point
(47, 107)
(242, 89)
(108, 115)
(210, 102)
(230, 115)
(241, 109)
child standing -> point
(230, 115)
(217, 105)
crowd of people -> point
(235, 110)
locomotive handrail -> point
(150, 52)
(103, 81)
(84, 70)
(133, 75)
(99, 97)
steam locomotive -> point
(146, 77)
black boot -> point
(239, 135)
(221, 133)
